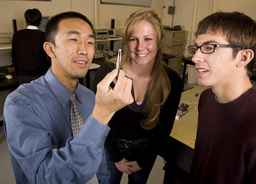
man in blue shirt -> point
(36, 115)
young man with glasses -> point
(224, 55)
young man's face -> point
(73, 50)
(218, 68)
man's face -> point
(73, 50)
(218, 68)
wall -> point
(120, 13)
(10, 9)
(189, 12)
(246, 6)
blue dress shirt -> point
(39, 134)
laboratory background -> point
(179, 18)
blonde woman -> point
(138, 131)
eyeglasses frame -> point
(215, 46)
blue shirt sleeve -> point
(39, 156)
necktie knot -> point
(73, 98)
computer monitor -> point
(14, 25)
(44, 21)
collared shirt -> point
(39, 134)
(32, 27)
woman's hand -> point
(122, 167)
(133, 166)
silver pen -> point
(118, 62)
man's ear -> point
(245, 57)
(49, 49)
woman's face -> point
(142, 45)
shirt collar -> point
(61, 92)
(32, 27)
(78, 93)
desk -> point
(184, 129)
(179, 150)
(6, 84)
(4, 47)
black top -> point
(125, 124)
(28, 55)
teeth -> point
(141, 55)
(202, 70)
(80, 62)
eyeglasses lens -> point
(192, 49)
(207, 49)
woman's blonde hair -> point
(160, 86)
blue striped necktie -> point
(77, 122)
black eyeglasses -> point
(208, 48)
